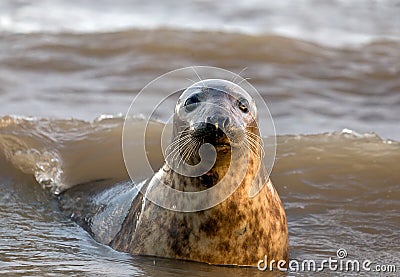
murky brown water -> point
(340, 190)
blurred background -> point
(321, 65)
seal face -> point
(240, 230)
(214, 110)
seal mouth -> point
(220, 142)
(222, 146)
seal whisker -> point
(197, 146)
(181, 136)
(255, 143)
(244, 79)
(185, 151)
(187, 142)
(175, 150)
(174, 156)
(177, 142)
(255, 140)
(174, 145)
(193, 82)
(238, 75)
(251, 146)
(198, 76)
(194, 146)
(255, 126)
(253, 136)
(191, 149)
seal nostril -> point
(210, 128)
(225, 123)
(204, 128)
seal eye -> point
(191, 103)
(243, 105)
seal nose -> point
(214, 127)
(217, 125)
(220, 122)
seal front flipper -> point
(100, 207)
(123, 239)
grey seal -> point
(240, 230)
